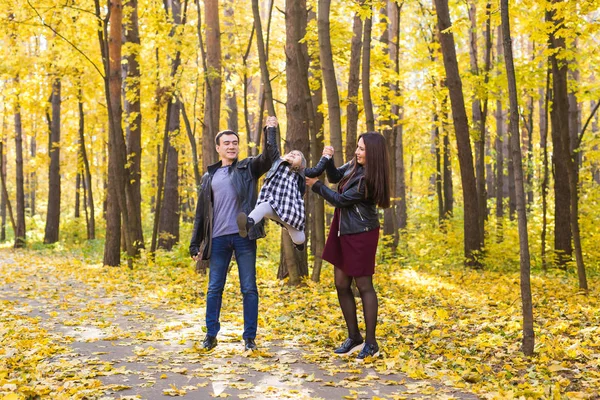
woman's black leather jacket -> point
(357, 213)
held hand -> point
(310, 181)
(196, 257)
(271, 122)
(328, 151)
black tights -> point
(368, 296)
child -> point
(281, 197)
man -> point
(228, 188)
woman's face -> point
(294, 158)
(361, 155)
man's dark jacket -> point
(244, 175)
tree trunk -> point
(528, 123)
(212, 104)
(447, 164)
(134, 127)
(316, 203)
(33, 177)
(193, 147)
(499, 154)
(298, 107)
(353, 87)
(168, 227)
(366, 73)
(262, 58)
(87, 181)
(526, 299)
(247, 87)
(398, 111)
(4, 196)
(329, 79)
(594, 128)
(230, 95)
(478, 120)
(20, 231)
(389, 214)
(574, 111)
(117, 150)
(473, 236)
(438, 167)
(53, 214)
(544, 105)
(512, 201)
(560, 156)
(78, 187)
(560, 124)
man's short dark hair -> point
(225, 132)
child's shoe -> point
(244, 224)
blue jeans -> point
(220, 258)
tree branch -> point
(65, 39)
(586, 125)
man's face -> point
(228, 147)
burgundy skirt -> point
(354, 254)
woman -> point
(352, 242)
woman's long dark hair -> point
(377, 169)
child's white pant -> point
(264, 210)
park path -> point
(145, 349)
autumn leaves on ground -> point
(445, 331)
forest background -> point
(108, 113)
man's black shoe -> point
(349, 346)
(249, 344)
(209, 343)
(244, 224)
(299, 247)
